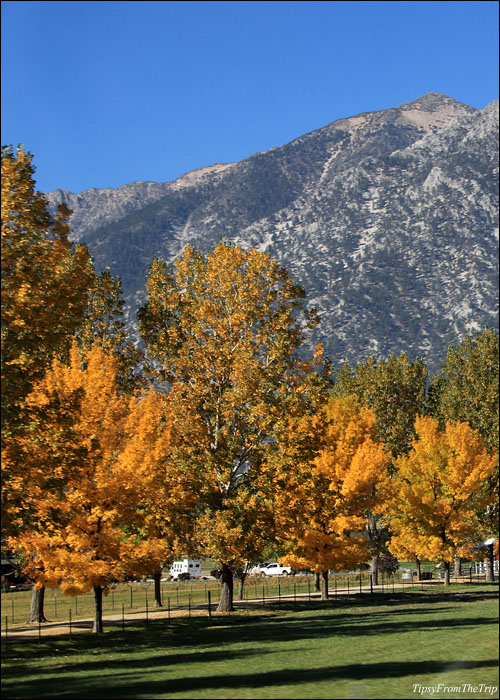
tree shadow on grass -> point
(396, 599)
(126, 686)
(325, 619)
(57, 675)
(167, 644)
(198, 637)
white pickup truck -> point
(276, 570)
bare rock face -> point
(95, 208)
(389, 220)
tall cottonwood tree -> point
(328, 476)
(436, 492)
(222, 331)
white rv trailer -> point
(186, 566)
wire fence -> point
(129, 604)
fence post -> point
(263, 596)
(147, 615)
(76, 605)
(55, 606)
(279, 594)
(130, 589)
(294, 594)
(309, 589)
(70, 623)
(39, 631)
(209, 606)
(360, 582)
(371, 584)
(6, 630)
(123, 617)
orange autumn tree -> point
(222, 330)
(327, 480)
(87, 477)
(45, 281)
(436, 492)
(165, 496)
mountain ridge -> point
(152, 190)
(388, 219)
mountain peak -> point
(433, 101)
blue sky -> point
(106, 93)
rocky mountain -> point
(388, 219)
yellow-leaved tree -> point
(45, 280)
(466, 389)
(437, 492)
(90, 454)
(395, 390)
(165, 498)
(222, 330)
(328, 477)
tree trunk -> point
(447, 568)
(419, 568)
(317, 581)
(157, 580)
(458, 567)
(490, 564)
(241, 584)
(374, 569)
(97, 628)
(36, 607)
(226, 591)
(324, 585)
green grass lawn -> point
(382, 646)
